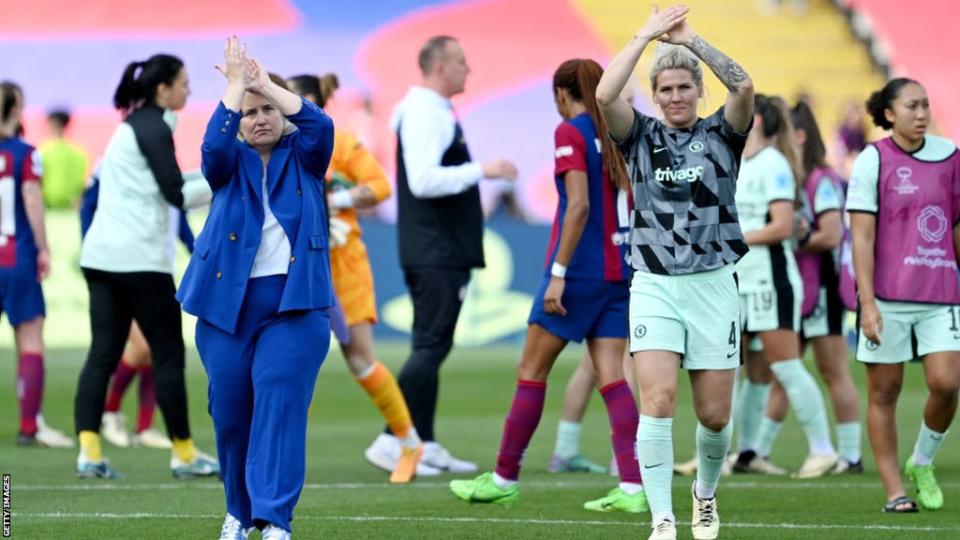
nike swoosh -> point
(658, 150)
(652, 466)
(731, 355)
(714, 458)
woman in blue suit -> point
(259, 284)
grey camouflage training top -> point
(684, 182)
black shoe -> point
(742, 465)
(24, 439)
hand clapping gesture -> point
(234, 54)
(669, 25)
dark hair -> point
(9, 92)
(138, 85)
(580, 77)
(814, 152)
(883, 99)
(59, 116)
(431, 51)
(769, 115)
(320, 87)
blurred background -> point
(69, 56)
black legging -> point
(116, 299)
(437, 297)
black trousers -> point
(116, 299)
(437, 295)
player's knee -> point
(659, 403)
(884, 395)
(944, 390)
(714, 418)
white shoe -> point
(665, 530)
(763, 465)
(816, 465)
(151, 438)
(384, 453)
(202, 465)
(439, 457)
(727, 468)
(52, 438)
(233, 530)
(113, 427)
(706, 521)
(687, 468)
(272, 532)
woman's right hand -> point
(661, 22)
(234, 54)
(871, 322)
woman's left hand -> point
(680, 34)
(255, 78)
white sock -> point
(848, 441)
(630, 488)
(928, 443)
(752, 406)
(502, 482)
(568, 439)
(655, 451)
(806, 400)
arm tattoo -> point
(729, 72)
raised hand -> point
(680, 33)
(662, 22)
(234, 54)
(255, 77)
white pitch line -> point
(735, 485)
(485, 520)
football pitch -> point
(345, 497)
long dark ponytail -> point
(138, 85)
(580, 77)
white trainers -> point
(233, 530)
(816, 465)
(706, 521)
(665, 530)
(113, 427)
(272, 532)
(384, 453)
(728, 463)
(687, 468)
(763, 465)
(202, 465)
(52, 438)
(151, 438)
(439, 457)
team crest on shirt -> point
(696, 146)
(872, 345)
(905, 187)
(639, 331)
(932, 223)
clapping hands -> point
(240, 69)
(669, 25)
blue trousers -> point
(261, 382)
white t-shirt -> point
(273, 255)
(764, 178)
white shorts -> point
(911, 331)
(771, 309)
(696, 315)
(826, 318)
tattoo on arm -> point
(729, 72)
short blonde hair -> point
(669, 56)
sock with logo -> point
(655, 449)
(568, 439)
(382, 388)
(848, 441)
(148, 399)
(518, 428)
(753, 405)
(806, 399)
(122, 377)
(622, 411)
(29, 390)
(928, 443)
(712, 448)
(766, 435)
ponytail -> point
(139, 82)
(580, 77)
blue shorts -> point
(21, 297)
(595, 309)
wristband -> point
(558, 270)
(341, 199)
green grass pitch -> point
(347, 498)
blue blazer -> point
(215, 282)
